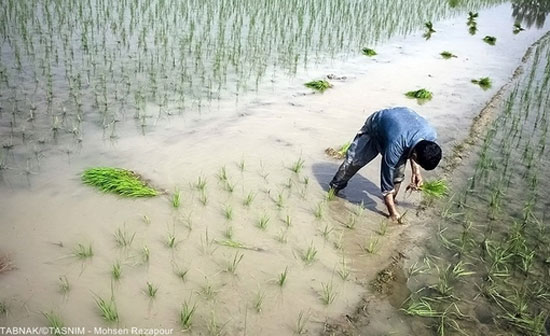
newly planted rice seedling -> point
(301, 323)
(228, 233)
(201, 183)
(83, 252)
(326, 231)
(146, 219)
(64, 285)
(382, 228)
(420, 94)
(281, 280)
(145, 254)
(171, 241)
(123, 238)
(429, 27)
(151, 290)
(222, 174)
(371, 245)
(207, 290)
(308, 256)
(344, 271)
(318, 85)
(203, 198)
(228, 212)
(368, 52)
(263, 222)
(327, 293)
(484, 82)
(297, 166)
(54, 323)
(181, 273)
(280, 201)
(287, 221)
(447, 55)
(491, 40)
(232, 265)
(120, 181)
(107, 309)
(116, 270)
(229, 186)
(351, 222)
(241, 165)
(208, 246)
(248, 199)
(331, 194)
(176, 199)
(282, 236)
(186, 314)
(259, 300)
(318, 211)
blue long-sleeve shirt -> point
(396, 131)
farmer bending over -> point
(398, 134)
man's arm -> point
(416, 178)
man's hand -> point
(417, 180)
(395, 217)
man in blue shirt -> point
(398, 134)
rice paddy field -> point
(214, 118)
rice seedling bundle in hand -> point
(119, 181)
(318, 85)
(369, 52)
(420, 94)
(435, 189)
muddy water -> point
(46, 213)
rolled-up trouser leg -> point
(361, 151)
(399, 174)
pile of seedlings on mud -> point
(421, 94)
(483, 82)
(447, 55)
(119, 181)
(491, 40)
(318, 85)
(339, 153)
(489, 269)
(369, 52)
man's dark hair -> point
(428, 154)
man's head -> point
(427, 154)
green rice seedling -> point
(248, 199)
(64, 285)
(201, 183)
(331, 194)
(228, 233)
(343, 150)
(435, 188)
(382, 228)
(145, 254)
(171, 241)
(203, 198)
(282, 236)
(472, 16)
(186, 314)
(301, 323)
(298, 165)
(371, 245)
(359, 209)
(327, 293)
(3, 309)
(491, 40)
(484, 82)
(222, 174)
(318, 85)
(241, 165)
(208, 291)
(472, 29)
(116, 270)
(146, 219)
(518, 28)
(151, 290)
(287, 221)
(416, 269)
(181, 273)
(429, 27)
(228, 212)
(213, 327)
(229, 186)
(309, 254)
(263, 222)
(259, 300)
(280, 201)
(176, 199)
(338, 243)
(83, 252)
(318, 211)
(232, 266)
(123, 238)
(283, 277)
(119, 181)
(54, 323)
(289, 183)
(107, 309)
(369, 52)
(208, 245)
(447, 55)
(420, 94)
(326, 231)
(420, 307)
(344, 271)
(306, 180)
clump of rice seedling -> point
(259, 300)
(343, 150)
(83, 252)
(54, 323)
(171, 241)
(280, 201)
(382, 228)
(229, 186)
(248, 199)
(282, 236)
(146, 219)
(318, 211)
(232, 266)
(3, 309)
(176, 199)
(207, 290)
(107, 309)
(420, 94)
(518, 27)
(421, 308)
(241, 165)
(351, 222)
(429, 27)
(369, 52)
(281, 280)
(145, 254)
(447, 55)
(123, 238)
(491, 40)
(327, 230)
(318, 85)
(201, 183)
(222, 174)
(116, 270)
(228, 233)
(338, 242)
(64, 285)
(371, 245)
(181, 273)
(301, 323)
(344, 271)
(203, 198)
(151, 290)
(484, 82)
(263, 222)
(186, 314)
(435, 189)
(119, 181)
(309, 254)
(297, 166)
(331, 194)
(327, 293)
(228, 212)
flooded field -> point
(206, 101)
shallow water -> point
(45, 203)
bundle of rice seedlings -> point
(490, 40)
(369, 52)
(484, 82)
(518, 27)
(419, 94)
(318, 85)
(447, 55)
(429, 27)
(435, 189)
(119, 181)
